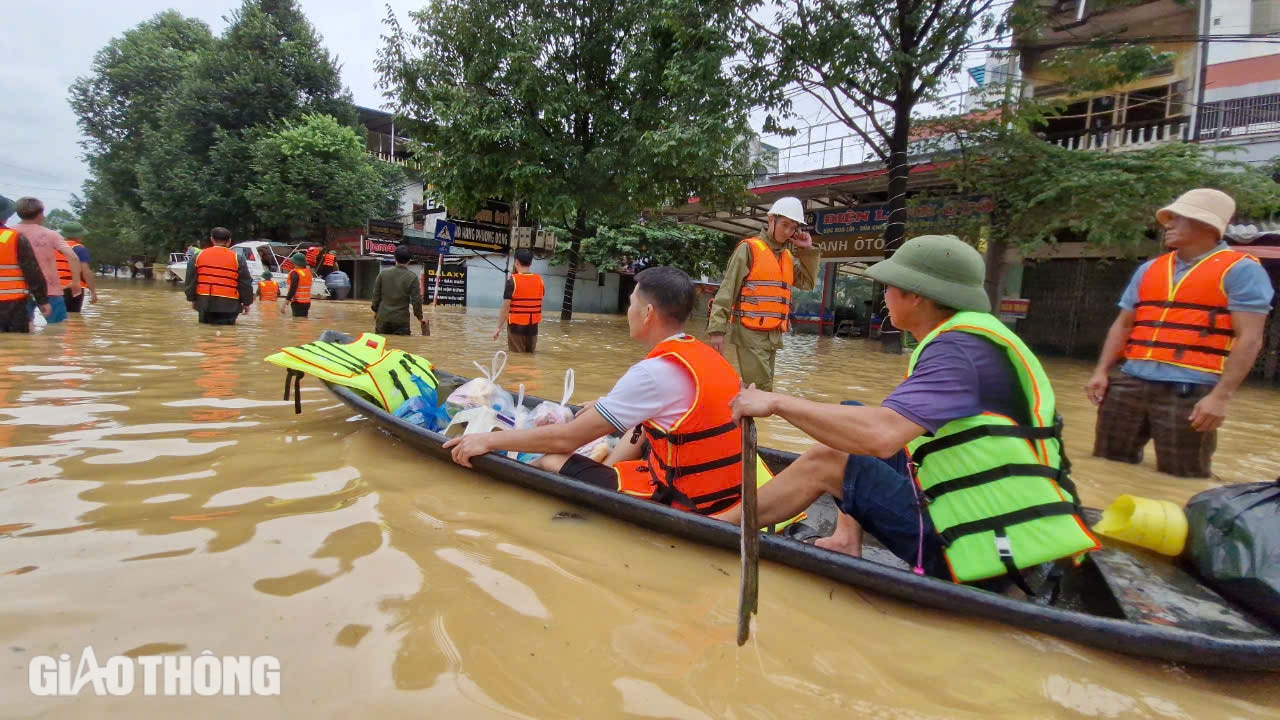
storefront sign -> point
(870, 220)
(385, 248)
(390, 230)
(482, 237)
(1014, 308)
(854, 248)
(453, 284)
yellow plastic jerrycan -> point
(1155, 524)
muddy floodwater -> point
(158, 497)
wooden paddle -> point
(749, 589)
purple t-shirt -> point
(959, 375)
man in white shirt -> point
(677, 397)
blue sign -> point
(446, 233)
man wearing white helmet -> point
(751, 309)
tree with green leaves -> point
(590, 112)
(696, 250)
(315, 174)
(58, 217)
(869, 63)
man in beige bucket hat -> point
(969, 374)
(1189, 329)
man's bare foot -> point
(841, 543)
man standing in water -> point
(48, 246)
(1189, 328)
(394, 292)
(298, 297)
(521, 305)
(752, 307)
(218, 282)
(21, 279)
(74, 232)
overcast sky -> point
(47, 45)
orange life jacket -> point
(526, 299)
(313, 254)
(64, 265)
(268, 290)
(13, 286)
(330, 260)
(303, 294)
(1186, 323)
(218, 272)
(695, 464)
(764, 301)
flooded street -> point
(158, 496)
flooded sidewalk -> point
(159, 497)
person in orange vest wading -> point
(751, 309)
(218, 282)
(299, 294)
(22, 281)
(1190, 326)
(677, 398)
(73, 233)
(268, 288)
(521, 305)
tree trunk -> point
(576, 234)
(995, 270)
(899, 170)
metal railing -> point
(1242, 116)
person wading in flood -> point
(268, 288)
(751, 309)
(1189, 328)
(299, 295)
(976, 413)
(74, 232)
(22, 281)
(521, 305)
(218, 282)
(677, 398)
(48, 246)
(394, 292)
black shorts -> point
(218, 318)
(300, 309)
(15, 316)
(74, 302)
(390, 328)
(580, 467)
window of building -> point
(1265, 17)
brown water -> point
(158, 496)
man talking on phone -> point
(752, 307)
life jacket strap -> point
(686, 470)
(998, 523)
(1172, 305)
(982, 431)
(1001, 472)
(1005, 551)
(1180, 350)
(296, 377)
(1204, 330)
(682, 438)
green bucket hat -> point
(266, 275)
(298, 259)
(72, 230)
(943, 268)
(7, 207)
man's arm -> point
(721, 307)
(377, 292)
(806, 267)
(1209, 413)
(31, 272)
(294, 280)
(244, 281)
(1112, 353)
(189, 284)
(415, 297)
(549, 439)
(86, 273)
(855, 429)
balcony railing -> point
(1131, 136)
(1242, 116)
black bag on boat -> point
(1233, 542)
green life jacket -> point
(363, 364)
(999, 493)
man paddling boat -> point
(991, 493)
(677, 398)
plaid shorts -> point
(1136, 410)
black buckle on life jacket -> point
(1005, 551)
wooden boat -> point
(1123, 599)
